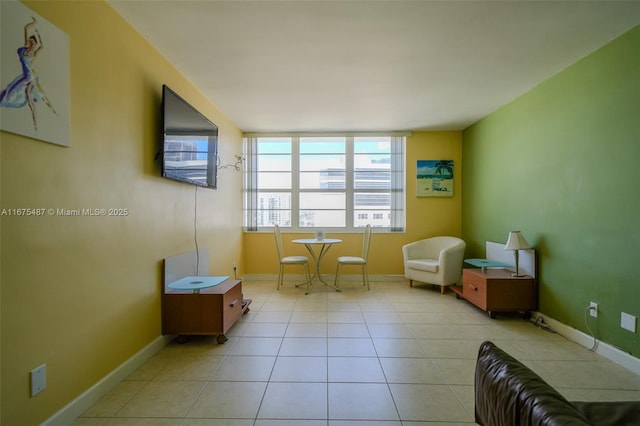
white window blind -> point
(335, 183)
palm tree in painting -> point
(444, 166)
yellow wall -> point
(82, 294)
(426, 217)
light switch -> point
(38, 379)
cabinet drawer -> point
(232, 299)
(231, 307)
(474, 289)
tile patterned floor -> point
(392, 356)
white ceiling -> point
(304, 66)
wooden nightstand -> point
(212, 311)
(495, 290)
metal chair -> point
(355, 260)
(289, 260)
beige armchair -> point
(436, 260)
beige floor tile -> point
(310, 306)
(343, 307)
(355, 369)
(294, 401)
(303, 329)
(297, 422)
(599, 394)
(457, 371)
(113, 401)
(242, 368)
(190, 367)
(421, 402)
(162, 399)
(429, 331)
(303, 346)
(450, 348)
(309, 316)
(345, 317)
(265, 329)
(300, 369)
(405, 348)
(143, 422)
(350, 358)
(409, 423)
(375, 317)
(364, 423)
(217, 422)
(91, 421)
(256, 346)
(586, 375)
(411, 370)
(151, 368)
(361, 401)
(347, 330)
(202, 345)
(276, 306)
(466, 395)
(376, 306)
(347, 346)
(228, 400)
(390, 331)
(272, 316)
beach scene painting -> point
(34, 76)
(434, 178)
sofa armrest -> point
(507, 393)
(618, 413)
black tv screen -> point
(190, 142)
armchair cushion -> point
(429, 265)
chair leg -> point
(442, 289)
(280, 276)
(410, 283)
(337, 280)
(365, 277)
(308, 272)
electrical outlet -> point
(628, 322)
(593, 309)
(38, 379)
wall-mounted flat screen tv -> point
(190, 142)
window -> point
(330, 182)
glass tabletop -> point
(196, 283)
(487, 263)
(316, 241)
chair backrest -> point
(366, 241)
(276, 231)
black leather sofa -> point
(507, 393)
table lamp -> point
(516, 242)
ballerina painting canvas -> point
(34, 102)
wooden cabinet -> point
(212, 311)
(494, 290)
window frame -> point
(397, 190)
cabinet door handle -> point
(232, 304)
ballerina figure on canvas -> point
(25, 90)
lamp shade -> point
(516, 241)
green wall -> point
(562, 164)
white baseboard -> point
(75, 408)
(344, 277)
(610, 352)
